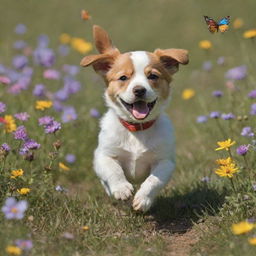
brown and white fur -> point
(137, 91)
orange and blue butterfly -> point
(213, 26)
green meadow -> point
(194, 214)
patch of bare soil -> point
(180, 236)
(181, 244)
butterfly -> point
(214, 26)
(85, 15)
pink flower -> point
(5, 80)
(52, 74)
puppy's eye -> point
(153, 77)
(123, 78)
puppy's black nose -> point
(139, 91)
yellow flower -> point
(242, 227)
(43, 104)
(85, 228)
(81, 45)
(205, 44)
(10, 125)
(250, 33)
(224, 161)
(23, 191)
(65, 38)
(227, 170)
(252, 240)
(188, 94)
(14, 250)
(63, 167)
(226, 144)
(238, 23)
(16, 173)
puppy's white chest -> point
(136, 158)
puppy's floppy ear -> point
(171, 58)
(100, 62)
(102, 40)
(103, 61)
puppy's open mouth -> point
(139, 109)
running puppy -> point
(136, 141)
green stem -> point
(232, 184)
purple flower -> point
(68, 235)
(254, 187)
(221, 60)
(52, 74)
(60, 189)
(62, 94)
(39, 90)
(228, 116)
(20, 29)
(13, 209)
(252, 94)
(71, 85)
(58, 106)
(72, 70)
(5, 147)
(94, 113)
(45, 120)
(23, 116)
(19, 45)
(24, 82)
(2, 107)
(205, 179)
(207, 65)
(31, 144)
(70, 158)
(5, 80)
(27, 71)
(52, 127)
(44, 57)
(247, 132)
(69, 114)
(201, 119)
(63, 50)
(242, 150)
(215, 114)
(20, 61)
(237, 73)
(43, 41)
(2, 69)
(20, 133)
(217, 94)
(24, 244)
(253, 109)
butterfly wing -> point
(224, 24)
(212, 24)
(85, 15)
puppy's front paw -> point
(122, 191)
(142, 202)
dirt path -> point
(180, 236)
(181, 244)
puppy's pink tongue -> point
(140, 110)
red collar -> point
(135, 127)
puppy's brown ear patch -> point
(100, 62)
(102, 40)
(171, 58)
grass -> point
(187, 208)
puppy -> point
(136, 141)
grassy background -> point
(114, 228)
